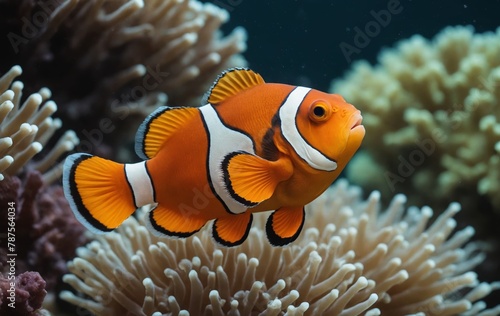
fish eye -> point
(319, 111)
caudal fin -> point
(97, 191)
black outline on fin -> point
(278, 241)
(207, 95)
(143, 130)
(225, 243)
(157, 230)
(73, 196)
(227, 180)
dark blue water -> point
(299, 42)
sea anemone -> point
(26, 128)
(351, 259)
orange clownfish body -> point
(253, 147)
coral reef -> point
(29, 292)
(351, 259)
(47, 232)
(26, 128)
(111, 59)
(432, 113)
(105, 62)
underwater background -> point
(440, 90)
(290, 41)
(300, 42)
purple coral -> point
(22, 296)
(47, 233)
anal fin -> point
(232, 230)
(285, 224)
(173, 223)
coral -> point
(46, 230)
(351, 259)
(114, 58)
(431, 109)
(28, 292)
(26, 128)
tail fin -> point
(97, 191)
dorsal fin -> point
(230, 83)
(159, 126)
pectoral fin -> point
(232, 230)
(284, 225)
(251, 179)
(173, 223)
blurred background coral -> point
(82, 75)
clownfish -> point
(252, 147)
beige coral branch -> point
(432, 108)
(26, 128)
(351, 259)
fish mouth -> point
(356, 120)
